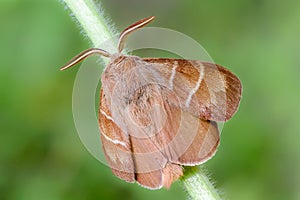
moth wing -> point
(116, 144)
(191, 140)
(197, 148)
(143, 118)
(204, 89)
(163, 137)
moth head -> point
(121, 43)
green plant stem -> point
(198, 184)
(91, 18)
(94, 23)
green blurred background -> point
(41, 156)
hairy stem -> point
(92, 19)
(198, 184)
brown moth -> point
(158, 114)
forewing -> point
(206, 90)
(116, 144)
(144, 118)
(193, 140)
(163, 137)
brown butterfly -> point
(158, 114)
